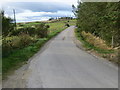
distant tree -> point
(51, 19)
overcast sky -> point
(35, 10)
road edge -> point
(80, 46)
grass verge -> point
(89, 46)
(111, 55)
(19, 57)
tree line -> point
(101, 19)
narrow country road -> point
(63, 65)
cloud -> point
(34, 11)
(28, 15)
(39, 6)
(60, 14)
(63, 1)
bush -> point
(15, 42)
(15, 32)
(26, 30)
(7, 45)
(25, 40)
(42, 30)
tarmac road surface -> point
(63, 65)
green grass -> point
(54, 25)
(89, 46)
(72, 22)
(29, 24)
(19, 57)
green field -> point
(19, 57)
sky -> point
(37, 10)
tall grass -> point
(98, 47)
(91, 42)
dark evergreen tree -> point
(100, 19)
